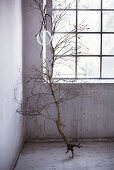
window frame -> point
(101, 56)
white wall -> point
(11, 124)
(89, 116)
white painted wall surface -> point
(89, 116)
(11, 124)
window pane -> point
(61, 4)
(89, 4)
(67, 20)
(108, 44)
(108, 4)
(88, 44)
(108, 67)
(88, 67)
(64, 67)
(108, 21)
(64, 44)
(86, 21)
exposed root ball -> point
(70, 147)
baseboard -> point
(18, 154)
(48, 140)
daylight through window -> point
(88, 52)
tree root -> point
(70, 147)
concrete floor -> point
(51, 156)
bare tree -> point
(55, 89)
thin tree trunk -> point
(70, 147)
(58, 122)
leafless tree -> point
(54, 89)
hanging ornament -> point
(40, 37)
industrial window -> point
(89, 52)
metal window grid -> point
(78, 32)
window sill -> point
(83, 80)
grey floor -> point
(51, 156)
